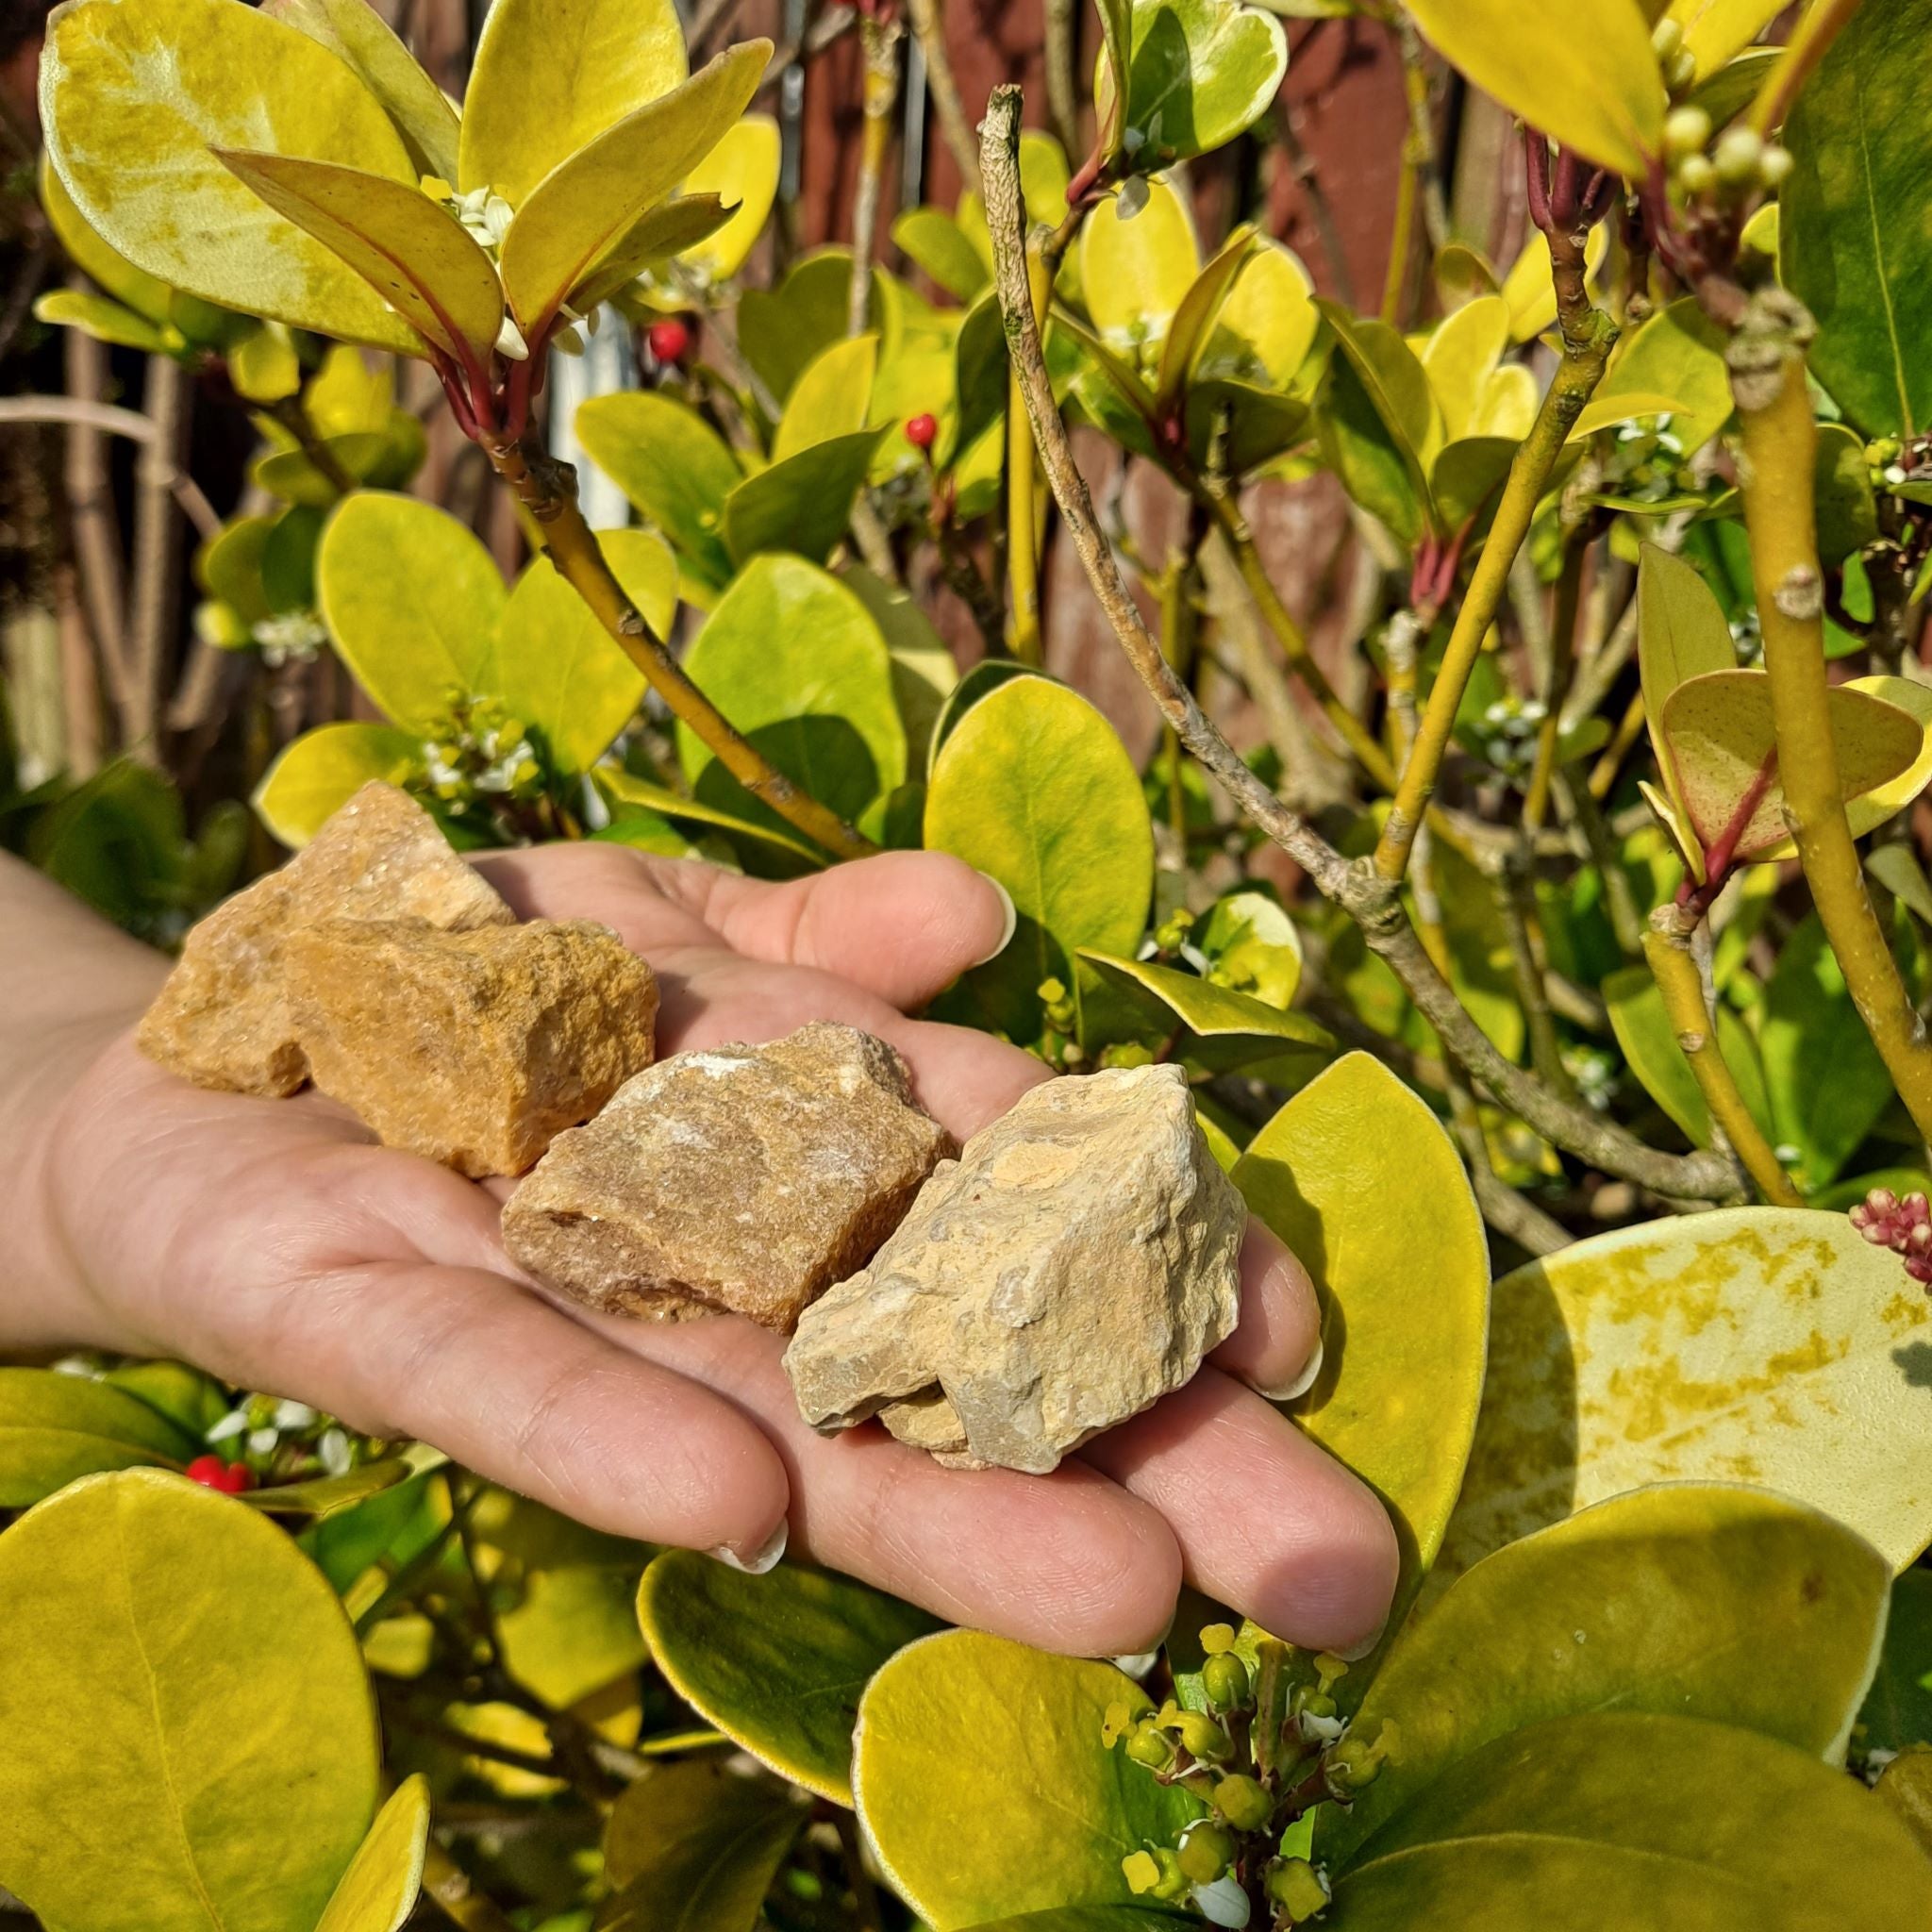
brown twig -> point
(157, 580)
(956, 129)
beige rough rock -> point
(476, 1049)
(743, 1179)
(223, 1018)
(1068, 1270)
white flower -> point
(1223, 1902)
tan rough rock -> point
(223, 1018)
(477, 1048)
(743, 1179)
(1069, 1269)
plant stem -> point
(1062, 98)
(1779, 443)
(547, 488)
(293, 414)
(956, 129)
(1372, 903)
(1667, 948)
(1577, 375)
(157, 580)
(1022, 501)
(448, 1887)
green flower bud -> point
(1217, 1637)
(1666, 38)
(1681, 70)
(1051, 992)
(1885, 450)
(1313, 1703)
(1206, 1850)
(1224, 1678)
(1355, 1764)
(1774, 169)
(1118, 1720)
(1149, 1746)
(1686, 132)
(1202, 1738)
(1296, 1887)
(1155, 1873)
(1738, 157)
(1330, 1668)
(1243, 1802)
(1697, 175)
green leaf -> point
(776, 1662)
(1136, 270)
(355, 32)
(1675, 362)
(379, 1890)
(1770, 1343)
(1828, 1087)
(1898, 1709)
(412, 600)
(554, 665)
(137, 94)
(1460, 356)
(1226, 1028)
(551, 77)
(694, 1847)
(409, 250)
(1037, 1813)
(582, 210)
(742, 171)
(1681, 633)
(1264, 330)
(1715, 30)
(1630, 1820)
(1688, 1600)
(107, 322)
(1200, 73)
(1359, 1178)
(1584, 75)
(1380, 418)
(220, 1686)
(676, 470)
(324, 1496)
(1721, 748)
(1851, 250)
(924, 671)
(780, 331)
(831, 397)
(1033, 787)
(323, 769)
(803, 504)
(984, 678)
(1847, 509)
(1649, 1043)
(686, 221)
(1253, 947)
(112, 272)
(936, 242)
(1200, 307)
(626, 788)
(56, 1427)
(797, 664)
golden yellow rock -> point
(743, 1180)
(223, 1018)
(475, 1049)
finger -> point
(507, 1385)
(1277, 1346)
(1266, 1521)
(608, 883)
(1067, 1562)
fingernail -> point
(1355, 1653)
(763, 1559)
(1137, 1663)
(1302, 1383)
(1012, 925)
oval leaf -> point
(743, 171)
(1772, 1343)
(1898, 1711)
(1227, 1028)
(1136, 270)
(1200, 73)
(830, 399)
(378, 1890)
(323, 769)
(221, 1685)
(56, 1427)
(984, 1787)
(776, 1662)
(803, 504)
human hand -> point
(271, 1242)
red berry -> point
(231, 1478)
(669, 340)
(921, 431)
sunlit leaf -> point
(133, 141)
(106, 321)
(1136, 270)
(1529, 289)
(56, 1427)
(626, 788)
(1676, 358)
(1773, 1345)
(1200, 73)
(934, 239)
(780, 331)
(985, 1790)
(1265, 328)
(1221, 1027)
(323, 1496)
(1196, 316)
(742, 171)
(379, 1890)
(1649, 1045)
(1460, 356)
(323, 769)
(672, 228)
(113, 273)
(923, 672)
(220, 1683)
(776, 1662)
(830, 399)
(803, 504)
(1714, 31)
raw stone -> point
(223, 1018)
(743, 1179)
(1071, 1267)
(475, 1049)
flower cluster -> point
(483, 752)
(1903, 1226)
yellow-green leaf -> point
(742, 171)
(924, 673)
(1359, 1178)
(1681, 633)
(803, 504)
(1200, 307)
(56, 1427)
(1264, 330)
(379, 1890)
(1718, 736)
(324, 1496)
(1897, 1711)
(355, 32)
(174, 1672)
(1584, 75)
(1905, 1787)
(1649, 1043)
(626, 788)
(556, 667)
(581, 211)
(1200, 73)
(1530, 289)
(830, 399)
(1627, 1819)
(683, 221)
(412, 600)
(1674, 364)
(409, 250)
(1462, 356)
(985, 1790)
(1223, 1028)
(776, 1662)
(1688, 1599)
(552, 75)
(323, 769)
(1136, 270)
(1714, 31)
(935, 240)
(136, 94)
(106, 321)
(1767, 1344)
(113, 273)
